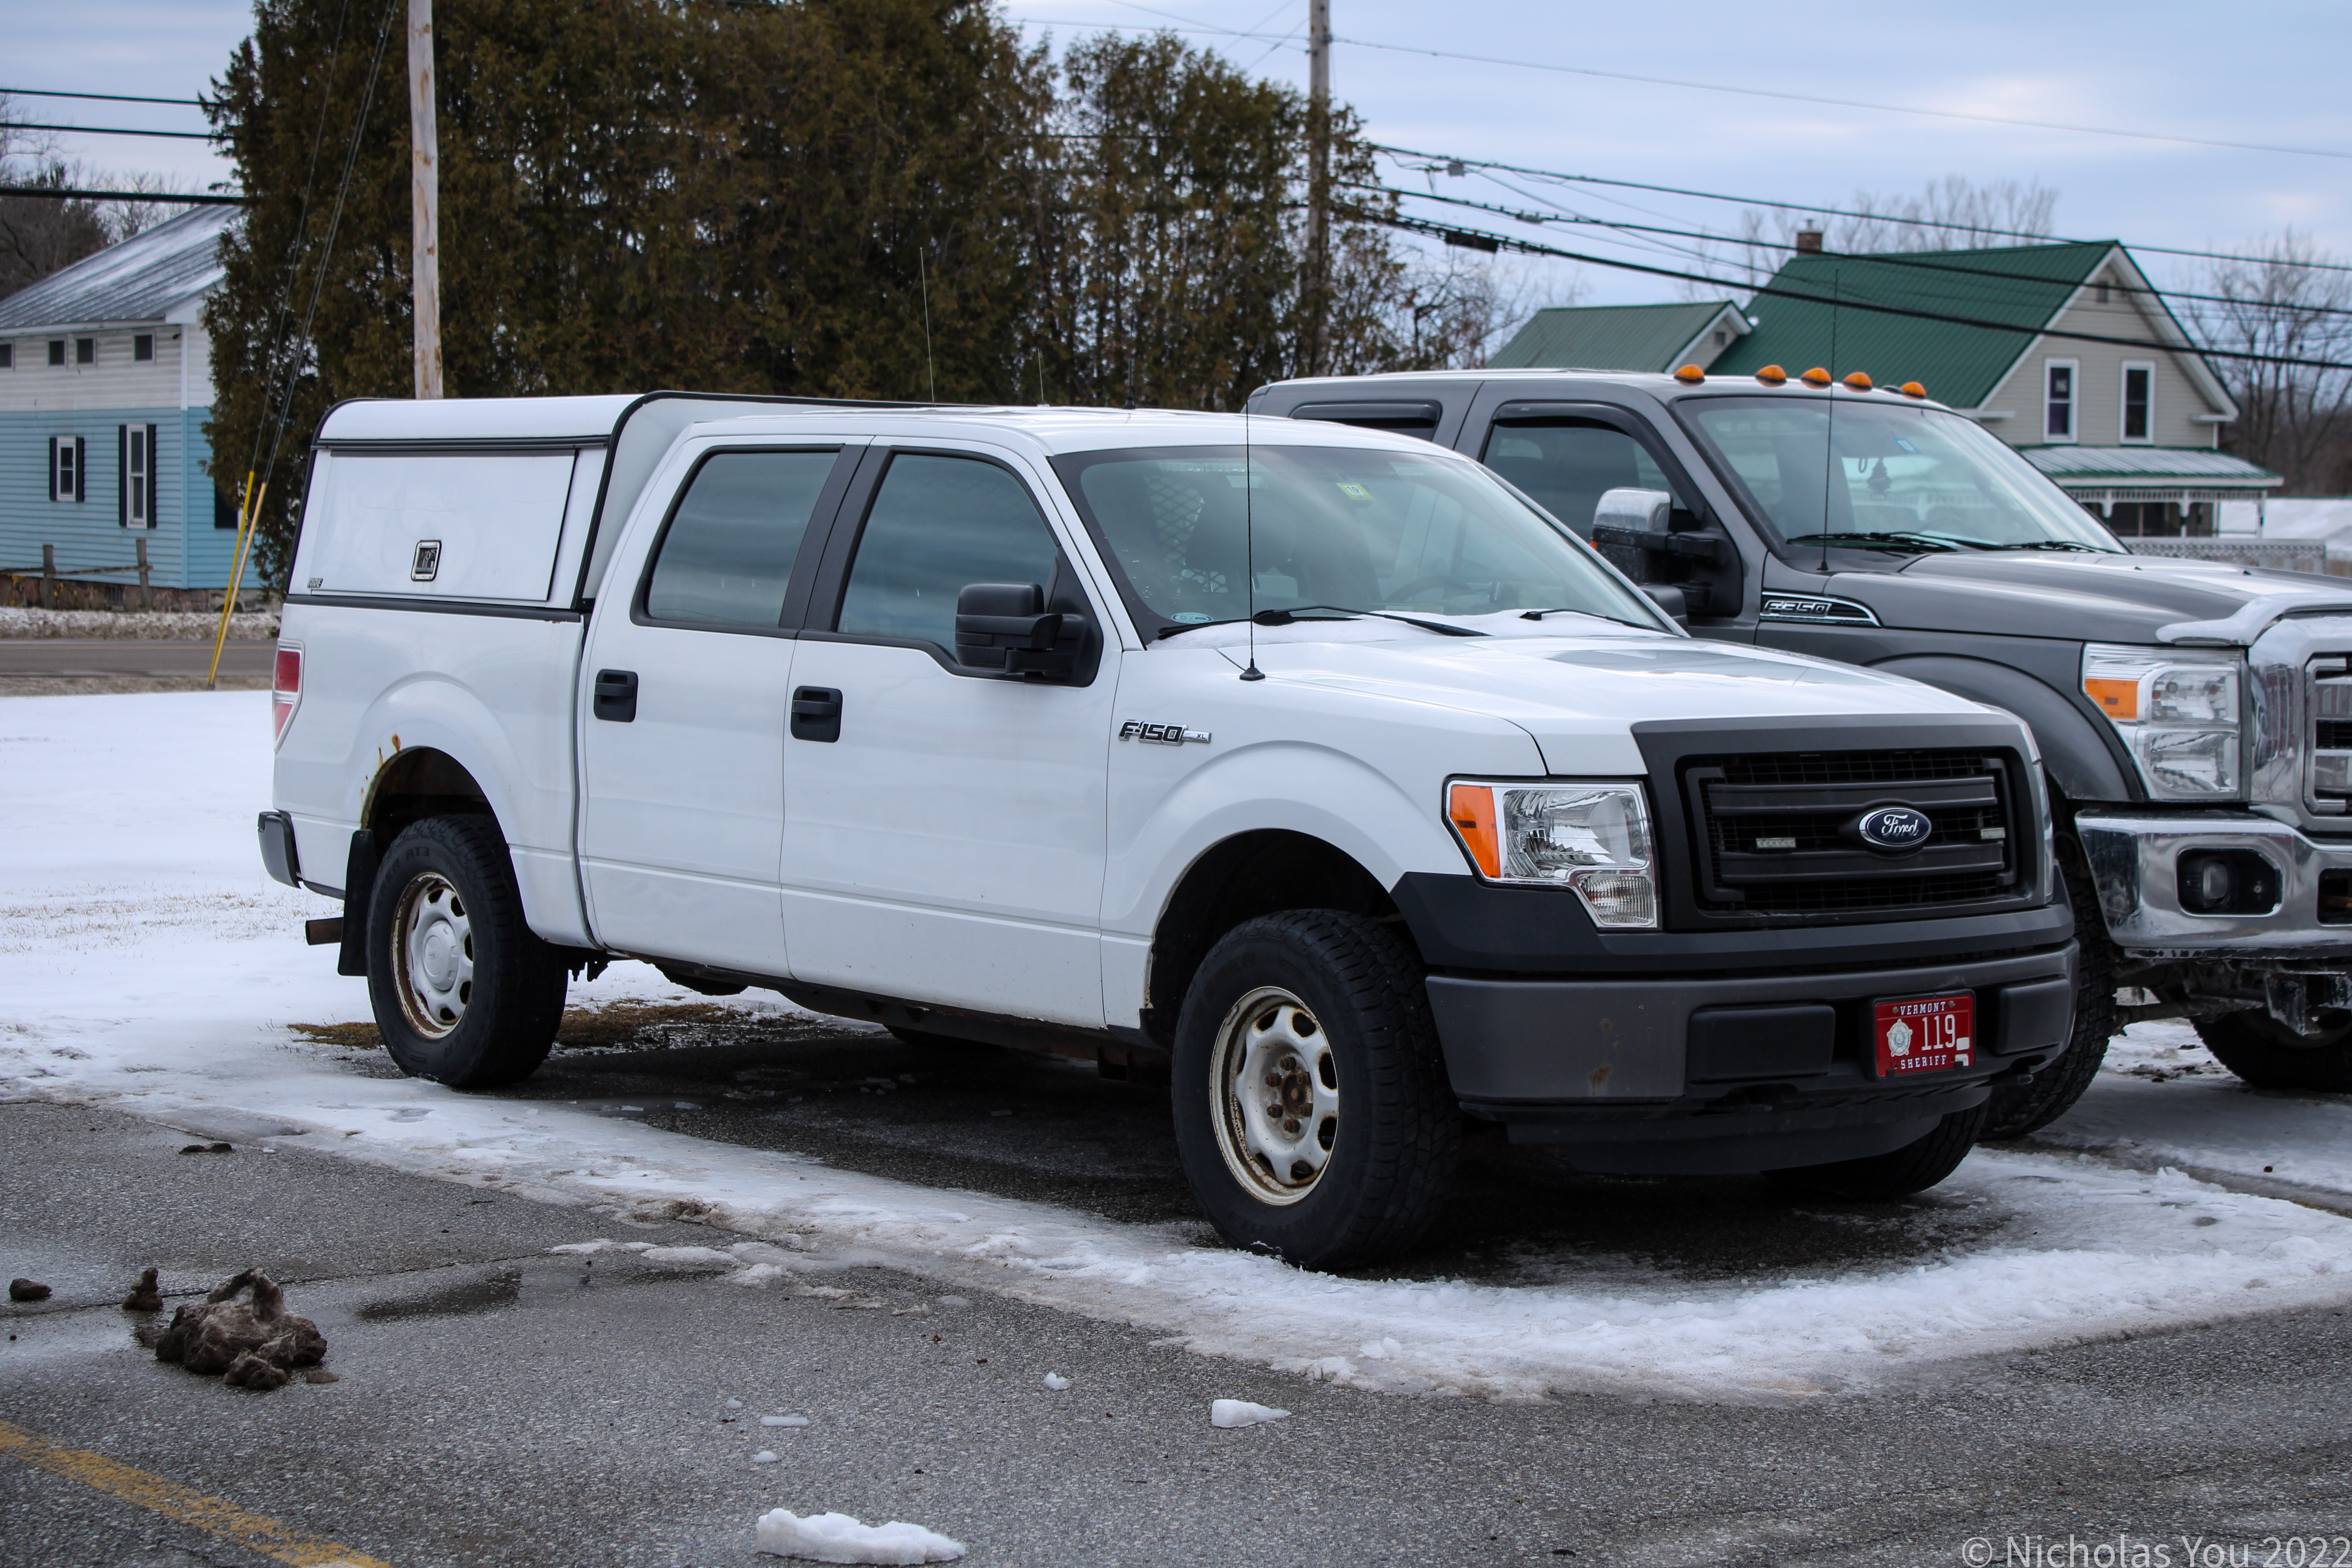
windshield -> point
(1881, 477)
(1330, 530)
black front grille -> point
(2334, 734)
(1778, 832)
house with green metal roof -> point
(1624, 337)
(2067, 352)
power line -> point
(1887, 257)
(1443, 159)
(99, 97)
(1849, 102)
(106, 131)
(1478, 239)
(166, 197)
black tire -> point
(446, 890)
(1914, 1168)
(2268, 1054)
(2016, 1110)
(1356, 1002)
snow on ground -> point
(145, 961)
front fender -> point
(2074, 751)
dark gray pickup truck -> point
(2194, 719)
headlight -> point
(2177, 711)
(1592, 838)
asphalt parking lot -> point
(498, 1402)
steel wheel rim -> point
(1273, 1088)
(433, 955)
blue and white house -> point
(105, 387)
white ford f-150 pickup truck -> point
(1317, 768)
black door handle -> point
(617, 695)
(816, 713)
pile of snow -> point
(1242, 1412)
(146, 962)
(838, 1538)
(1056, 1382)
(141, 624)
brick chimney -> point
(1809, 242)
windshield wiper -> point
(2053, 545)
(1899, 543)
(1284, 617)
(1166, 632)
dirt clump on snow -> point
(144, 1297)
(259, 1345)
(27, 1290)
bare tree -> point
(2277, 298)
(39, 234)
(1455, 308)
(1952, 213)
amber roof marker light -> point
(1913, 389)
(1859, 381)
(1773, 375)
(1816, 376)
(1690, 376)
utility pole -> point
(1318, 183)
(425, 198)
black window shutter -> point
(153, 469)
(122, 476)
(81, 469)
(53, 468)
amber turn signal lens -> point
(1816, 376)
(1690, 376)
(1858, 381)
(1913, 389)
(1771, 376)
(1471, 809)
(2117, 699)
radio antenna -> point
(1829, 425)
(1249, 548)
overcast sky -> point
(2261, 71)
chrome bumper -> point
(2134, 861)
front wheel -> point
(463, 991)
(1312, 1110)
(1899, 1173)
(2268, 1054)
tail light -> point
(285, 688)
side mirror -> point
(1645, 511)
(1669, 598)
(1005, 627)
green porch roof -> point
(2019, 287)
(1606, 337)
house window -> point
(2139, 402)
(85, 351)
(57, 350)
(2099, 293)
(2058, 402)
(135, 461)
(8, 356)
(65, 467)
(143, 347)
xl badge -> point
(1895, 827)
(1162, 734)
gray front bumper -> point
(2134, 860)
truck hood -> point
(1579, 697)
(2144, 599)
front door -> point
(944, 826)
(685, 687)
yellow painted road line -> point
(189, 1505)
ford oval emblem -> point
(1895, 827)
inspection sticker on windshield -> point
(1354, 490)
(1925, 1033)
(1905, 444)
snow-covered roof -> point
(140, 280)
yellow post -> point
(237, 573)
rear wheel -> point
(1311, 1105)
(463, 993)
(1898, 1173)
(2016, 1110)
(2268, 1054)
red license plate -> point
(1925, 1035)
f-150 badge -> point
(1163, 734)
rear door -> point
(684, 695)
(944, 825)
